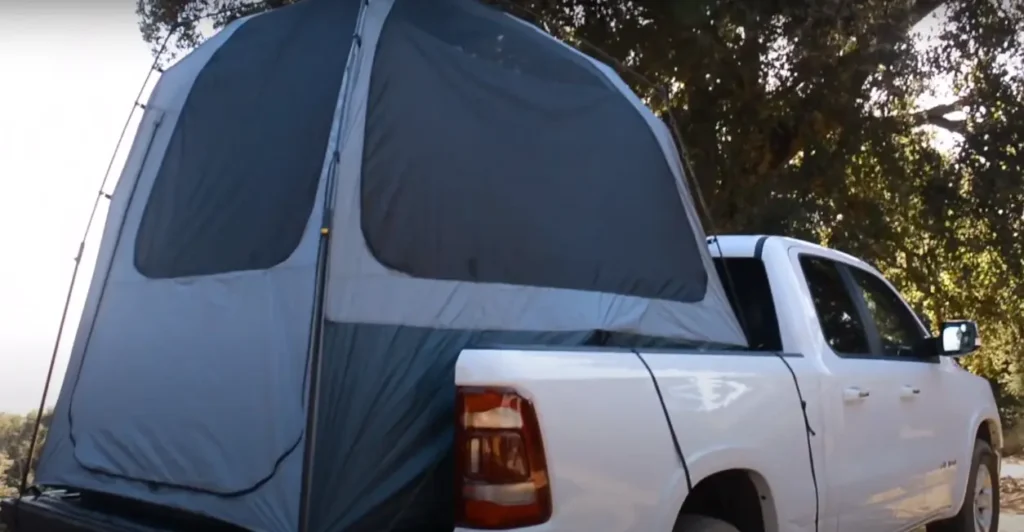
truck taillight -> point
(502, 476)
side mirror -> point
(959, 338)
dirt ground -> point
(1011, 491)
(1011, 495)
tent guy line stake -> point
(101, 194)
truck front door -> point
(920, 382)
(866, 467)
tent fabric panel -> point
(237, 185)
(398, 300)
(493, 156)
(716, 295)
(382, 423)
(57, 444)
(273, 506)
(382, 458)
(196, 387)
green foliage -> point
(5, 464)
(803, 117)
(15, 438)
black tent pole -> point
(316, 326)
(316, 342)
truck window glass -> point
(751, 299)
(837, 314)
(897, 327)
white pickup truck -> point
(844, 415)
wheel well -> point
(983, 433)
(737, 496)
(987, 433)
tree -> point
(804, 117)
(5, 463)
(15, 437)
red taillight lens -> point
(502, 475)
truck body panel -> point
(729, 407)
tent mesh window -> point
(237, 184)
(490, 157)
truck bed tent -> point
(449, 177)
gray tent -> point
(449, 177)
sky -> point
(69, 72)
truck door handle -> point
(854, 394)
(908, 392)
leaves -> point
(15, 438)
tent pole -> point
(316, 329)
(316, 342)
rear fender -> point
(736, 410)
(731, 458)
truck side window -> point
(751, 300)
(898, 328)
(837, 314)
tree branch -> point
(944, 109)
(923, 8)
(953, 126)
(936, 116)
